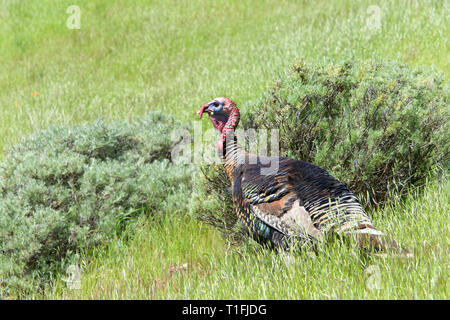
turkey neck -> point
(233, 155)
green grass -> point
(141, 268)
(133, 56)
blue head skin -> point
(215, 107)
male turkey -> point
(298, 202)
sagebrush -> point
(375, 125)
(66, 189)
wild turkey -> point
(297, 203)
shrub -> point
(66, 189)
(373, 125)
(212, 203)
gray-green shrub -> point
(66, 189)
(373, 125)
(212, 203)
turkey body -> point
(293, 202)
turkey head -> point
(224, 116)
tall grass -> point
(180, 258)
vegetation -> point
(378, 126)
(198, 264)
(129, 57)
(68, 189)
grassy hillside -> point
(129, 57)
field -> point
(129, 57)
